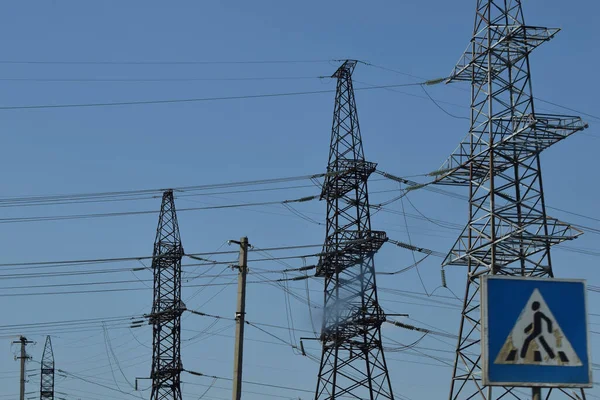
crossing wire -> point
(191, 100)
(21, 200)
(169, 62)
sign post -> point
(535, 333)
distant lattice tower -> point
(47, 372)
(509, 232)
(352, 362)
(167, 306)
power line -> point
(94, 383)
(127, 289)
(250, 382)
(72, 322)
(192, 100)
(466, 90)
(129, 213)
(149, 80)
(66, 201)
(171, 62)
(78, 261)
(156, 191)
(35, 275)
(568, 108)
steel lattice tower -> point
(167, 306)
(508, 232)
(47, 372)
(352, 362)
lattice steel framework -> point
(509, 232)
(167, 306)
(352, 362)
(47, 372)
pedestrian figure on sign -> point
(536, 331)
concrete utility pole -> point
(24, 342)
(240, 319)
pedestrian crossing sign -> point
(534, 332)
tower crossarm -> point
(509, 43)
(353, 326)
(347, 176)
(514, 139)
(514, 244)
(349, 251)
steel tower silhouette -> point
(167, 306)
(352, 361)
(508, 232)
(47, 372)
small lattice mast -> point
(47, 372)
(167, 306)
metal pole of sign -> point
(536, 393)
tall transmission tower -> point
(509, 232)
(167, 306)
(47, 372)
(352, 361)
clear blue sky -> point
(58, 151)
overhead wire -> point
(189, 100)
(158, 80)
(164, 62)
(181, 194)
(62, 371)
(415, 263)
(436, 103)
(114, 356)
(465, 90)
(83, 272)
(142, 212)
(112, 371)
(208, 270)
(250, 382)
(180, 191)
(286, 294)
(136, 258)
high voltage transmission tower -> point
(352, 361)
(47, 372)
(167, 306)
(509, 232)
